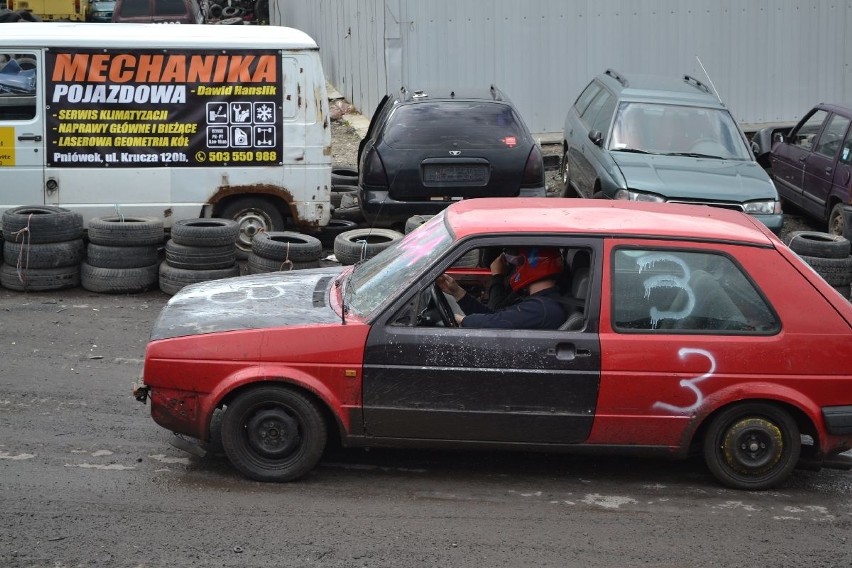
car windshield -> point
(470, 124)
(677, 130)
(397, 267)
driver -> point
(534, 272)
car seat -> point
(575, 299)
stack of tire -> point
(828, 255)
(122, 255)
(344, 194)
(353, 246)
(199, 250)
(283, 251)
(42, 248)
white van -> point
(173, 122)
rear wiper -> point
(694, 155)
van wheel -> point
(253, 215)
(273, 433)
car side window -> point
(803, 136)
(591, 113)
(586, 97)
(604, 116)
(832, 136)
(846, 150)
(676, 291)
(17, 86)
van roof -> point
(94, 35)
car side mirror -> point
(779, 137)
(596, 137)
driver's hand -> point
(450, 286)
(498, 266)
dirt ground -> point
(344, 152)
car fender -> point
(751, 392)
(257, 374)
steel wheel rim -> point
(273, 433)
(753, 446)
(251, 222)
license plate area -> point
(455, 175)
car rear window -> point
(470, 124)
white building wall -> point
(770, 60)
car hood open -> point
(695, 179)
(274, 299)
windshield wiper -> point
(694, 155)
(632, 150)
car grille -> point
(720, 204)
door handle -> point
(803, 158)
(30, 137)
(828, 169)
(568, 352)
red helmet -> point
(533, 264)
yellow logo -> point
(7, 146)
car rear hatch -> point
(454, 150)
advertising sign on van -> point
(147, 107)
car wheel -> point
(253, 215)
(835, 220)
(565, 175)
(752, 446)
(273, 434)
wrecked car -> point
(685, 331)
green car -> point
(100, 11)
(663, 139)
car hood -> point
(695, 179)
(274, 299)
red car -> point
(690, 329)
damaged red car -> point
(687, 330)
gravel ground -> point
(344, 151)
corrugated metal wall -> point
(770, 60)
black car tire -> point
(118, 280)
(258, 264)
(126, 231)
(273, 433)
(334, 227)
(287, 245)
(205, 232)
(44, 255)
(415, 221)
(752, 446)
(200, 258)
(814, 243)
(357, 244)
(38, 224)
(835, 271)
(172, 279)
(344, 175)
(107, 256)
(39, 279)
(254, 215)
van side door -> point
(21, 129)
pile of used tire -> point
(7, 16)
(122, 255)
(353, 246)
(42, 248)
(199, 250)
(275, 251)
(237, 12)
(828, 255)
(344, 194)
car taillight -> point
(534, 169)
(373, 173)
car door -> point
(575, 134)
(485, 385)
(788, 157)
(819, 166)
(21, 129)
(378, 116)
(591, 158)
(842, 183)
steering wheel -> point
(443, 306)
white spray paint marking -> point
(786, 519)
(680, 282)
(608, 501)
(17, 457)
(100, 453)
(164, 459)
(534, 494)
(690, 384)
(112, 466)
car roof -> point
(684, 89)
(153, 36)
(839, 108)
(603, 217)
